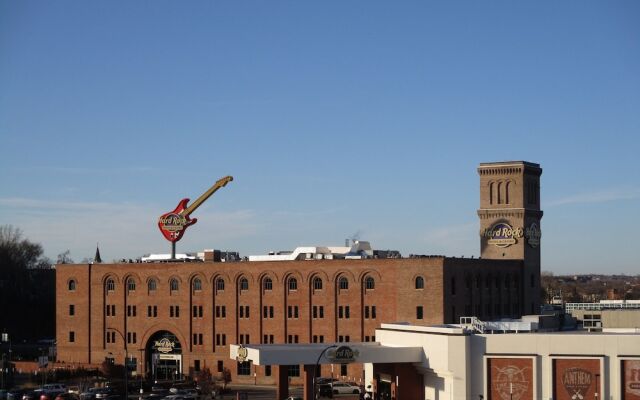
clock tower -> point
(510, 222)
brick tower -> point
(510, 221)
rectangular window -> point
(246, 311)
(217, 311)
(128, 337)
(177, 311)
(224, 339)
(135, 339)
(321, 338)
(290, 312)
(366, 312)
(340, 312)
(265, 312)
(195, 339)
(72, 336)
(218, 341)
(224, 311)
(265, 339)
(135, 310)
(295, 338)
(241, 311)
(195, 311)
(295, 312)
(347, 338)
(155, 311)
(419, 312)
(346, 312)
(315, 338)
(315, 311)
(340, 339)
(270, 339)
(196, 365)
(220, 365)
(171, 314)
(149, 311)
(113, 310)
(343, 369)
(270, 311)
(290, 339)
(244, 368)
(321, 311)
(293, 371)
(108, 310)
(267, 370)
(366, 338)
(128, 311)
(72, 309)
(373, 312)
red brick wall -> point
(510, 376)
(576, 376)
(394, 296)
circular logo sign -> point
(164, 345)
(502, 234)
(243, 353)
(533, 234)
(511, 382)
(343, 355)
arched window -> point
(293, 284)
(317, 283)
(131, 285)
(173, 285)
(244, 284)
(152, 285)
(111, 285)
(72, 285)
(506, 192)
(343, 283)
(419, 282)
(197, 284)
(219, 284)
(267, 284)
(491, 193)
(369, 283)
(500, 193)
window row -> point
(293, 312)
(243, 284)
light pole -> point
(126, 371)
(315, 368)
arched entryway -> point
(165, 356)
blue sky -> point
(335, 118)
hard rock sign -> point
(174, 223)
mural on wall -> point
(510, 378)
(631, 381)
(576, 379)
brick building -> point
(174, 318)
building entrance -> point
(165, 356)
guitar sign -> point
(174, 223)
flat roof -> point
(308, 353)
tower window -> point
(369, 283)
(317, 283)
(267, 284)
(343, 283)
(419, 282)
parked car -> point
(344, 388)
(324, 390)
(31, 395)
(66, 396)
(15, 394)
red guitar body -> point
(174, 223)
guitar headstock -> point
(222, 182)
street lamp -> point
(126, 371)
(315, 368)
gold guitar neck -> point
(220, 183)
